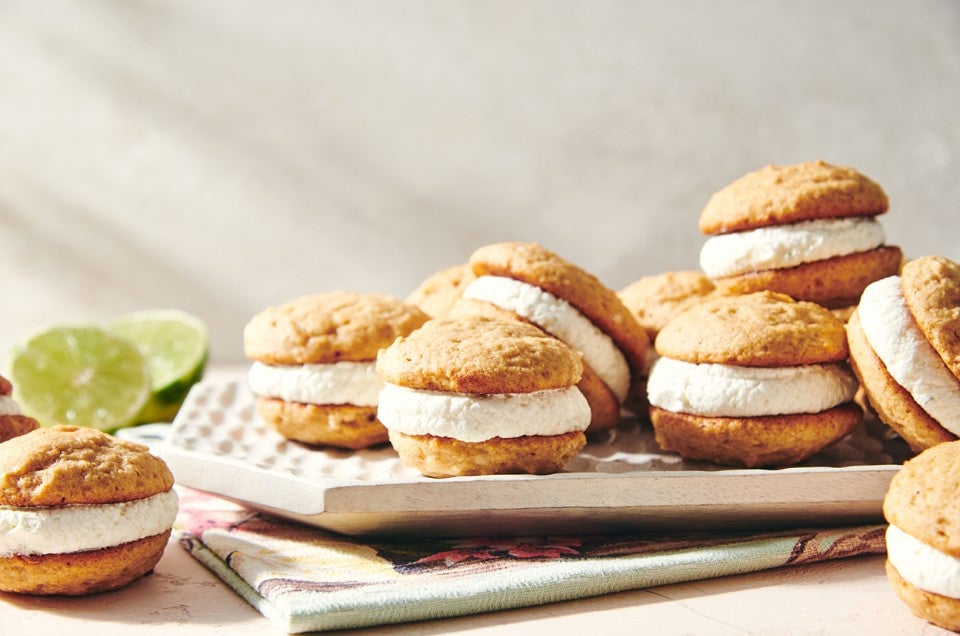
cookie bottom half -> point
(78, 573)
(778, 440)
(893, 404)
(340, 425)
(835, 283)
(939, 610)
(447, 457)
(604, 405)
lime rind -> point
(175, 345)
(175, 393)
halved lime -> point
(175, 345)
(81, 375)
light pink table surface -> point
(848, 596)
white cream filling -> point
(476, 418)
(80, 527)
(921, 565)
(9, 406)
(560, 319)
(353, 383)
(719, 390)
(896, 338)
(782, 246)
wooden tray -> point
(621, 482)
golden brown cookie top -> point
(922, 498)
(441, 290)
(74, 465)
(5, 387)
(331, 327)
(775, 195)
(764, 329)
(931, 287)
(654, 300)
(478, 355)
(535, 265)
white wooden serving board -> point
(621, 482)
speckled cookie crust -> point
(535, 265)
(340, 425)
(72, 465)
(654, 300)
(931, 288)
(922, 498)
(330, 327)
(448, 457)
(478, 355)
(604, 406)
(892, 403)
(79, 573)
(762, 330)
(835, 282)
(779, 440)
(776, 195)
(437, 294)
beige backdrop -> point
(222, 156)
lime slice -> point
(80, 375)
(175, 346)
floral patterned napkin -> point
(306, 579)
